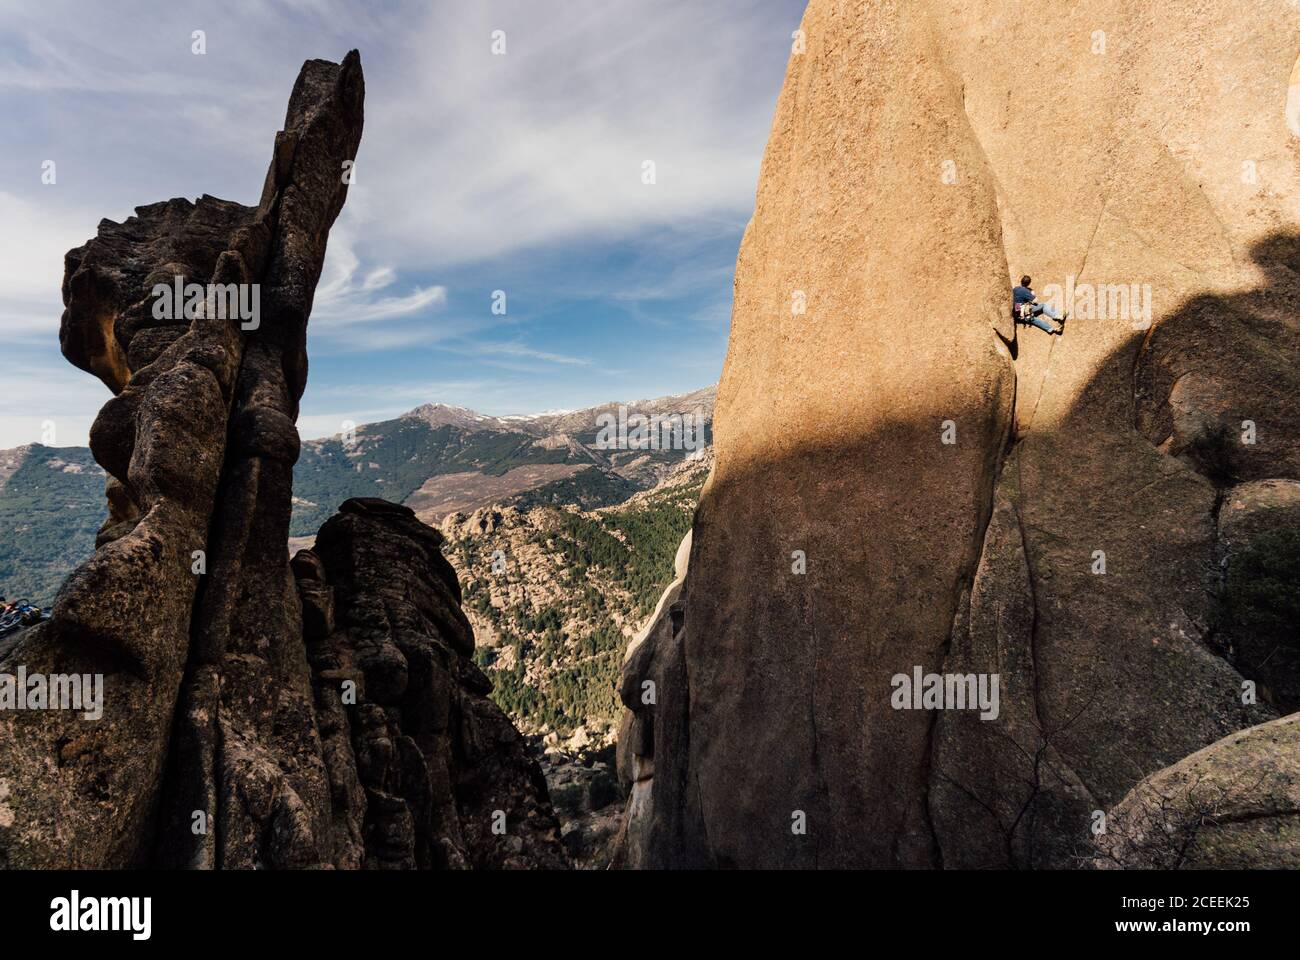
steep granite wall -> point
(923, 154)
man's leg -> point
(1041, 324)
(1048, 309)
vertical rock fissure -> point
(680, 640)
(1033, 594)
(965, 584)
(927, 768)
(818, 773)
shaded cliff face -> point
(219, 745)
(425, 770)
(917, 163)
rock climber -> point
(1026, 308)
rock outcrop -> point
(651, 661)
(1233, 805)
(1259, 602)
(425, 771)
(967, 498)
(222, 743)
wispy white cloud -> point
(467, 154)
(550, 140)
(47, 402)
(352, 308)
(33, 240)
(522, 350)
(378, 278)
(343, 300)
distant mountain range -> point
(441, 460)
(437, 459)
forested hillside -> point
(51, 505)
(568, 590)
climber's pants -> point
(1037, 319)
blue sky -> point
(477, 172)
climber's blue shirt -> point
(1021, 295)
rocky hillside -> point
(1104, 521)
(555, 592)
(250, 715)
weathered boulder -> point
(1233, 806)
(1131, 423)
(1146, 178)
(802, 532)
